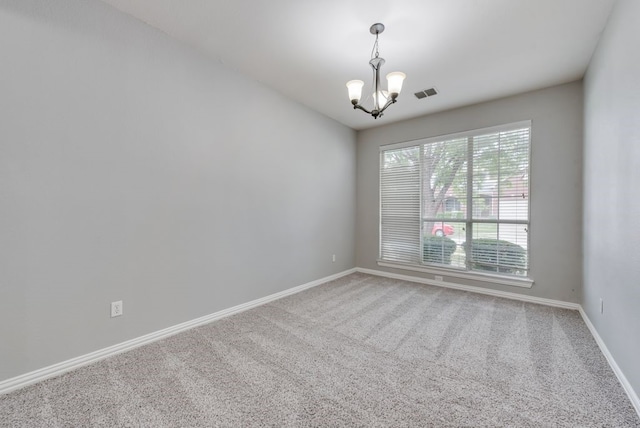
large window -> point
(458, 201)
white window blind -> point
(400, 207)
(458, 201)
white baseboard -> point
(612, 362)
(74, 363)
(496, 293)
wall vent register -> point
(426, 93)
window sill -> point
(476, 276)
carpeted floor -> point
(359, 351)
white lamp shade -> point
(355, 89)
(394, 82)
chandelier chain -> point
(375, 49)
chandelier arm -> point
(391, 101)
(358, 106)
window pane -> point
(514, 175)
(442, 243)
(500, 175)
(444, 179)
(486, 177)
(499, 248)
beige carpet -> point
(359, 351)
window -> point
(458, 201)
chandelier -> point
(381, 99)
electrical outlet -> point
(438, 278)
(116, 308)
(333, 258)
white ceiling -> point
(470, 50)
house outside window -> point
(458, 202)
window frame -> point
(454, 271)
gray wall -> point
(556, 176)
(611, 191)
(134, 168)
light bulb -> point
(380, 99)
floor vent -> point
(426, 93)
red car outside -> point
(442, 229)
